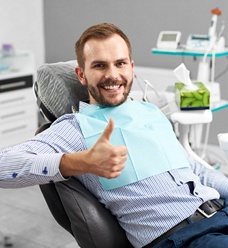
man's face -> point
(108, 71)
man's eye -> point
(121, 63)
(99, 66)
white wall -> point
(21, 24)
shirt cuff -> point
(46, 168)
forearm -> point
(74, 164)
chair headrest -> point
(58, 89)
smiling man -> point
(125, 153)
(107, 69)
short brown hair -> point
(98, 31)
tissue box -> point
(192, 100)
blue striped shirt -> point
(145, 209)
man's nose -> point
(112, 73)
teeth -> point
(112, 87)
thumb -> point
(108, 130)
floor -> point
(26, 219)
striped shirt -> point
(145, 209)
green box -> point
(192, 100)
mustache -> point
(109, 82)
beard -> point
(109, 101)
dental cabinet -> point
(18, 110)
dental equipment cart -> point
(182, 118)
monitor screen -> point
(169, 37)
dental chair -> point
(58, 91)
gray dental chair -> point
(58, 91)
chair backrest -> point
(58, 89)
(71, 204)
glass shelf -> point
(184, 52)
(222, 104)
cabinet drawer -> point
(13, 114)
(17, 97)
(17, 127)
(12, 84)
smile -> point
(111, 87)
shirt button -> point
(196, 193)
(14, 175)
(45, 171)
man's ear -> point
(80, 74)
(132, 64)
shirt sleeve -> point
(22, 169)
(37, 160)
(210, 177)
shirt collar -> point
(83, 105)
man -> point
(168, 186)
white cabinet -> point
(18, 109)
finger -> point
(108, 130)
(117, 171)
(121, 150)
(114, 175)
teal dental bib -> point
(152, 145)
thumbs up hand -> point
(103, 159)
(108, 160)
